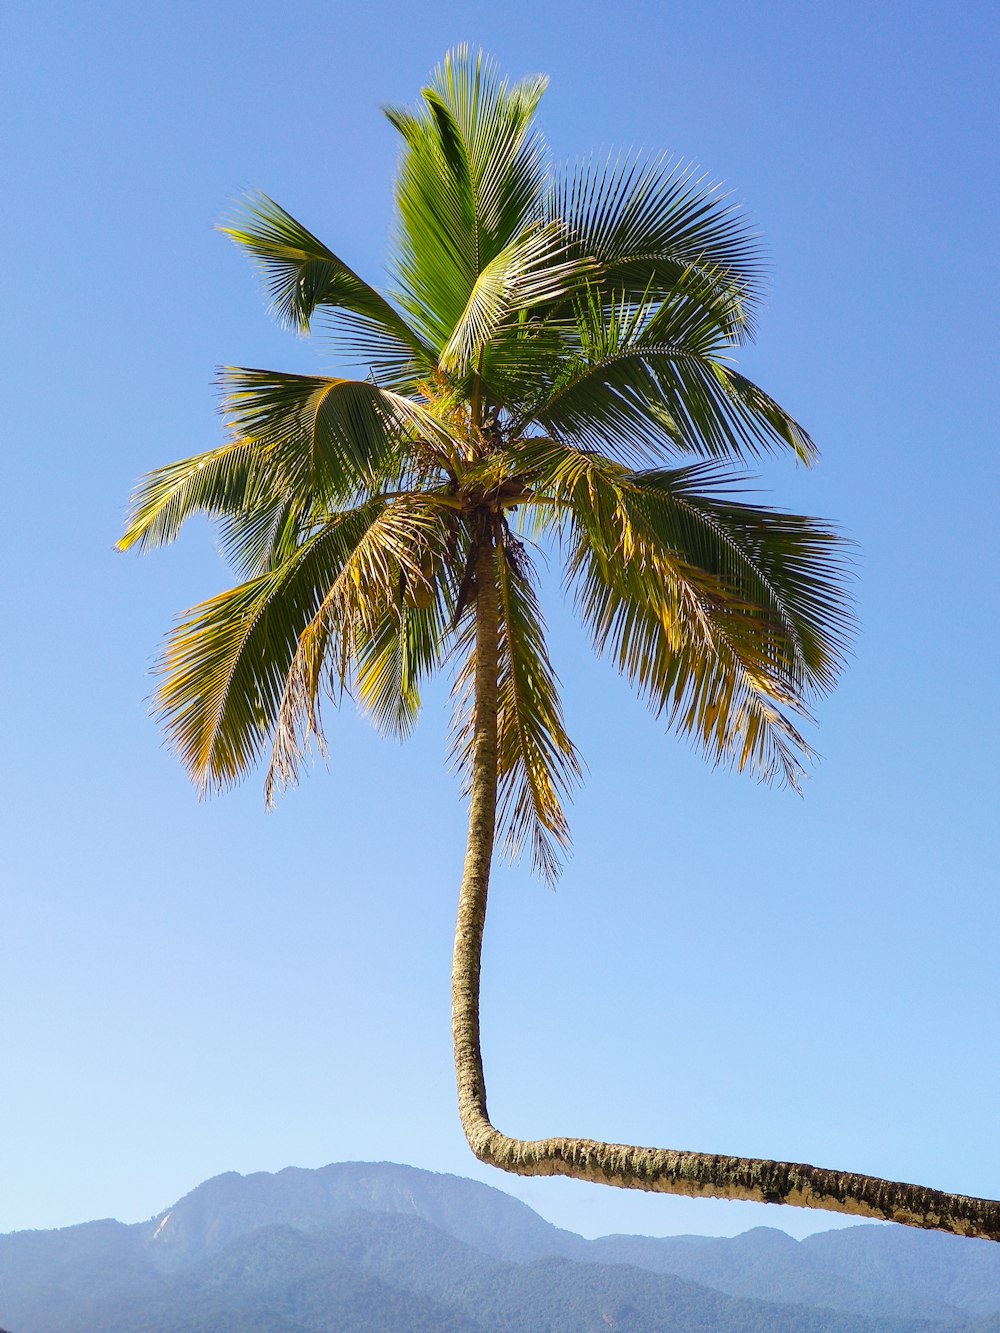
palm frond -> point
(649, 379)
(435, 260)
(532, 270)
(330, 439)
(697, 680)
(469, 181)
(329, 436)
(258, 539)
(302, 276)
(402, 640)
(396, 652)
(485, 127)
(789, 569)
(380, 626)
(298, 442)
(649, 221)
(537, 763)
(225, 665)
(726, 616)
(219, 481)
(356, 342)
(520, 365)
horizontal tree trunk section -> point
(703, 1175)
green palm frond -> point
(531, 271)
(788, 569)
(257, 539)
(330, 438)
(360, 344)
(405, 641)
(220, 481)
(520, 365)
(301, 276)
(649, 379)
(400, 649)
(469, 182)
(333, 439)
(436, 263)
(486, 132)
(699, 681)
(650, 221)
(226, 664)
(299, 442)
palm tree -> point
(552, 366)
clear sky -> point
(192, 988)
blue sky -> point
(191, 988)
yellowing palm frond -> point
(225, 665)
(537, 763)
(379, 628)
(727, 617)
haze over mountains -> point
(359, 1246)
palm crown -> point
(551, 363)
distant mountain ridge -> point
(230, 1205)
(359, 1245)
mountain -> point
(231, 1205)
(386, 1272)
(870, 1270)
(358, 1246)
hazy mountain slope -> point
(231, 1205)
(929, 1264)
(556, 1294)
(392, 1273)
(44, 1275)
(274, 1280)
(48, 1278)
(769, 1265)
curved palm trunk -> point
(670, 1172)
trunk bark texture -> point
(659, 1169)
